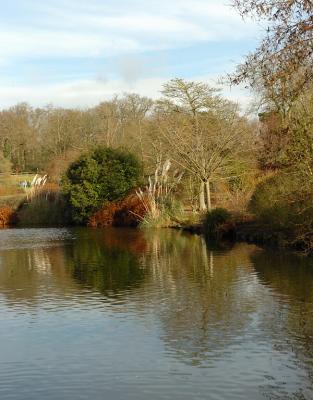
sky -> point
(77, 53)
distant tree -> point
(5, 164)
(288, 142)
(18, 139)
(134, 110)
(274, 139)
(98, 177)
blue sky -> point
(78, 53)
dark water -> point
(121, 314)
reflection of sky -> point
(18, 239)
(78, 53)
(90, 354)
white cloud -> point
(59, 31)
(81, 93)
(97, 28)
(41, 43)
(148, 24)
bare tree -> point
(205, 133)
(108, 122)
(283, 60)
(5, 165)
(134, 110)
(18, 135)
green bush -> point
(214, 220)
(98, 177)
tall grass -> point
(157, 196)
(46, 207)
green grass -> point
(12, 201)
(11, 194)
(13, 181)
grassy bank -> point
(28, 207)
(272, 218)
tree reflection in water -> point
(107, 260)
(206, 304)
(290, 279)
(29, 275)
(205, 296)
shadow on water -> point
(290, 278)
(286, 273)
(107, 260)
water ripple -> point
(116, 314)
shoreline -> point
(248, 232)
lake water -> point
(126, 314)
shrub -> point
(284, 204)
(214, 222)
(275, 200)
(102, 176)
(7, 217)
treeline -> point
(200, 133)
(34, 138)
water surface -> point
(125, 314)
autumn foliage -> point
(127, 212)
(7, 217)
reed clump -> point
(45, 206)
(157, 197)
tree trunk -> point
(202, 197)
(208, 195)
